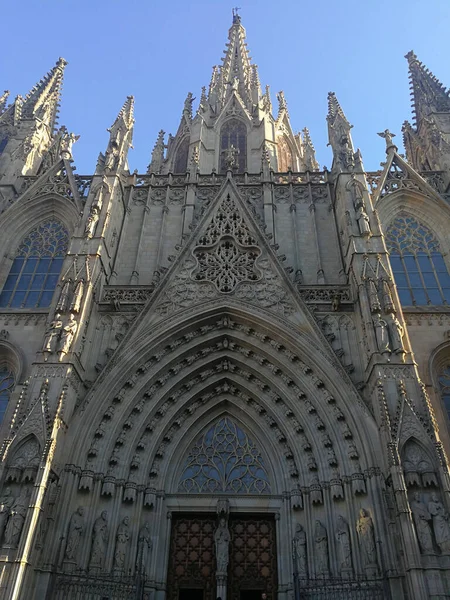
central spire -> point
(236, 72)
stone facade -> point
(215, 354)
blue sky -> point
(158, 51)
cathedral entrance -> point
(252, 566)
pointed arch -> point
(233, 133)
(417, 262)
(180, 162)
(36, 266)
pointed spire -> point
(203, 101)
(309, 152)
(335, 111)
(428, 93)
(256, 85)
(157, 154)
(43, 100)
(339, 137)
(3, 99)
(267, 102)
(236, 68)
(125, 115)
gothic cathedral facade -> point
(227, 377)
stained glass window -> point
(233, 134)
(7, 381)
(419, 269)
(284, 155)
(225, 460)
(181, 157)
(444, 386)
(36, 267)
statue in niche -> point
(111, 157)
(122, 540)
(346, 154)
(99, 541)
(381, 332)
(441, 524)
(63, 300)
(144, 550)
(387, 297)
(366, 532)
(222, 542)
(363, 220)
(375, 306)
(16, 520)
(395, 333)
(231, 154)
(91, 222)
(76, 530)
(299, 552)
(344, 545)
(6, 502)
(67, 335)
(421, 517)
(321, 546)
(77, 297)
(53, 334)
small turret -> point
(157, 154)
(309, 152)
(120, 139)
(339, 137)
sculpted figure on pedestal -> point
(299, 552)
(441, 524)
(321, 546)
(395, 333)
(122, 540)
(6, 502)
(99, 541)
(222, 541)
(67, 335)
(421, 517)
(366, 532)
(76, 530)
(344, 545)
(16, 520)
(144, 550)
(53, 334)
(381, 333)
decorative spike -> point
(267, 102)
(42, 102)
(3, 99)
(214, 81)
(309, 152)
(282, 104)
(334, 110)
(203, 101)
(157, 154)
(126, 115)
(339, 137)
(428, 93)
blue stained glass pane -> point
(447, 294)
(405, 296)
(51, 282)
(401, 280)
(44, 265)
(30, 265)
(444, 279)
(438, 261)
(10, 282)
(396, 262)
(17, 265)
(4, 298)
(17, 300)
(24, 282)
(46, 299)
(435, 296)
(429, 280)
(56, 265)
(32, 300)
(38, 282)
(420, 297)
(415, 280)
(410, 263)
(424, 262)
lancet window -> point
(7, 381)
(444, 386)
(224, 460)
(233, 146)
(284, 154)
(36, 267)
(419, 269)
(181, 157)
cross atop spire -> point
(42, 102)
(428, 94)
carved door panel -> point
(192, 563)
(253, 558)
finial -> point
(387, 135)
(236, 16)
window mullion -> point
(402, 258)
(437, 279)
(419, 270)
(13, 293)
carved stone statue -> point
(387, 297)
(6, 502)
(366, 533)
(16, 520)
(421, 518)
(299, 552)
(91, 222)
(395, 334)
(122, 541)
(387, 135)
(53, 334)
(375, 306)
(67, 335)
(344, 545)
(381, 333)
(99, 541)
(231, 154)
(77, 297)
(346, 154)
(63, 300)
(144, 550)
(363, 221)
(111, 157)
(441, 524)
(76, 530)
(321, 547)
(222, 541)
